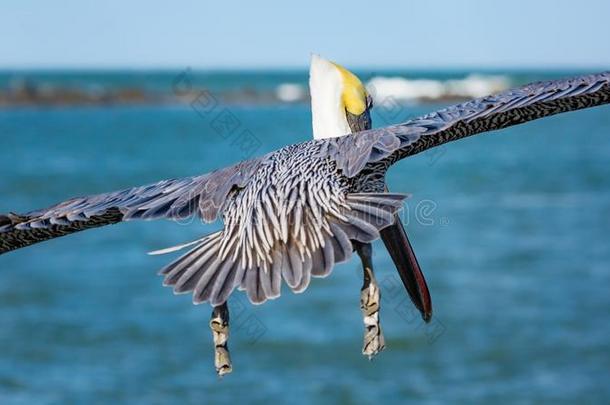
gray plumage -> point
(293, 213)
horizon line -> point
(286, 68)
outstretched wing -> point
(173, 199)
(352, 153)
(530, 102)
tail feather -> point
(255, 290)
(306, 275)
(378, 217)
(184, 272)
(292, 269)
(176, 248)
(203, 289)
(186, 277)
(224, 284)
(212, 275)
(275, 274)
(266, 282)
(323, 260)
(340, 243)
(359, 229)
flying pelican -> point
(293, 213)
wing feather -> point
(212, 276)
(176, 199)
(512, 107)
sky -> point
(282, 34)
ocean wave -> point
(21, 91)
(403, 89)
(291, 92)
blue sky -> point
(259, 34)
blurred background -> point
(510, 228)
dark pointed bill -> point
(396, 241)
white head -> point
(340, 104)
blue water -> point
(511, 229)
(163, 80)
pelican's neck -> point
(327, 110)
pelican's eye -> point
(369, 102)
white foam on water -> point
(290, 92)
(400, 88)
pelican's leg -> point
(219, 323)
(370, 302)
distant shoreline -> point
(88, 88)
(34, 94)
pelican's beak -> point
(356, 100)
(397, 242)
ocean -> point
(510, 228)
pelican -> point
(293, 213)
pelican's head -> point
(340, 104)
